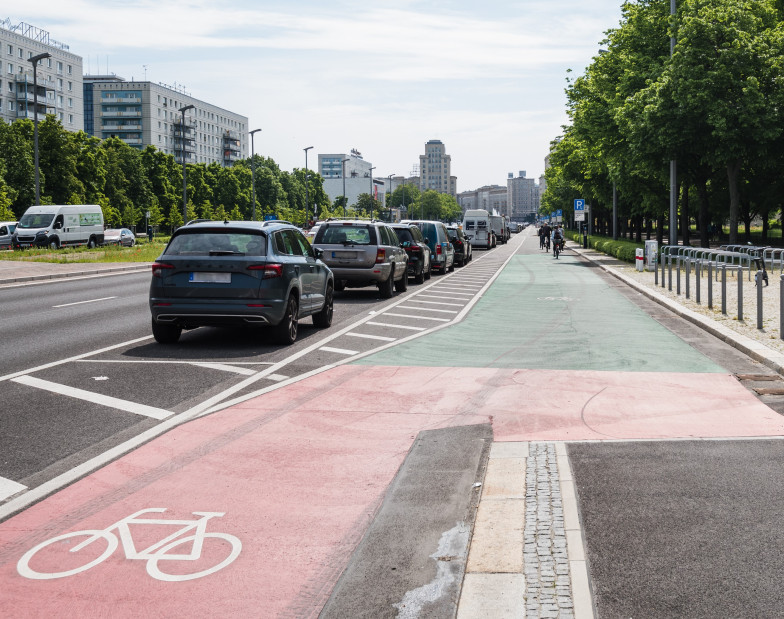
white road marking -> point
(82, 302)
(9, 488)
(436, 302)
(389, 324)
(427, 309)
(154, 361)
(454, 293)
(96, 398)
(225, 367)
(416, 317)
(373, 337)
(341, 351)
(277, 377)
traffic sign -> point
(579, 204)
(559, 213)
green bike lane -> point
(295, 478)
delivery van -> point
(478, 229)
(60, 225)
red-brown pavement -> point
(300, 472)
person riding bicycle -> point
(558, 237)
(545, 232)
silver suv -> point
(363, 252)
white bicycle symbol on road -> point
(159, 551)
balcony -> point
(122, 127)
(110, 113)
(121, 100)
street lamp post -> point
(371, 191)
(673, 166)
(35, 60)
(307, 192)
(184, 171)
(253, 175)
(344, 186)
(389, 195)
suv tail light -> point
(381, 255)
(415, 249)
(438, 249)
(159, 267)
(269, 271)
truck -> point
(59, 225)
(478, 229)
(498, 224)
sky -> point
(486, 77)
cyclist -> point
(557, 239)
(545, 232)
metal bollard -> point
(710, 286)
(758, 281)
(669, 274)
(655, 270)
(781, 307)
(698, 277)
(688, 275)
(724, 289)
(740, 294)
(678, 287)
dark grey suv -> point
(239, 273)
(363, 252)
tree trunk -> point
(765, 225)
(733, 170)
(660, 230)
(705, 222)
(638, 228)
(745, 213)
(648, 230)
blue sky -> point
(485, 77)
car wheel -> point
(386, 288)
(340, 285)
(324, 318)
(91, 243)
(419, 278)
(429, 272)
(54, 244)
(452, 266)
(286, 329)
(165, 334)
(401, 285)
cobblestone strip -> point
(545, 559)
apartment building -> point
(143, 113)
(523, 196)
(58, 78)
(358, 179)
(435, 169)
(492, 198)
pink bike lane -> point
(299, 473)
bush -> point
(623, 250)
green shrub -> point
(621, 249)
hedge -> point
(621, 249)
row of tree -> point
(715, 106)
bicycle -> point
(152, 554)
(556, 248)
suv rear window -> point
(219, 242)
(404, 234)
(337, 234)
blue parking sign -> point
(559, 213)
(579, 204)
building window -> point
(70, 70)
(20, 54)
(11, 106)
(70, 102)
(70, 86)
(59, 68)
(10, 50)
(10, 68)
(70, 119)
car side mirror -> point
(58, 225)
(405, 244)
(318, 252)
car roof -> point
(235, 226)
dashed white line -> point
(225, 367)
(340, 351)
(9, 488)
(96, 398)
(82, 302)
(277, 377)
(373, 337)
(436, 302)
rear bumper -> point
(358, 277)
(217, 313)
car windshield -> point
(209, 243)
(36, 220)
(345, 234)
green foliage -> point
(621, 249)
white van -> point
(498, 224)
(60, 225)
(476, 225)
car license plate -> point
(211, 278)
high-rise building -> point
(435, 169)
(58, 78)
(523, 197)
(144, 113)
(358, 177)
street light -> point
(253, 174)
(344, 185)
(388, 195)
(35, 60)
(184, 172)
(673, 165)
(307, 193)
(371, 191)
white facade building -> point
(523, 197)
(358, 179)
(435, 169)
(143, 113)
(59, 77)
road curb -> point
(753, 349)
(81, 273)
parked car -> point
(362, 253)
(437, 238)
(413, 242)
(463, 252)
(239, 273)
(119, 236)
(6, 233)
